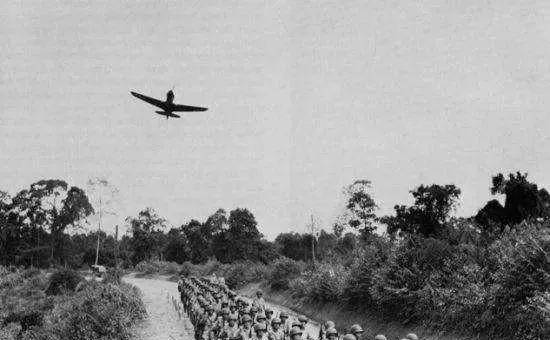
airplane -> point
(168, 105)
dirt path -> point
(163, 321)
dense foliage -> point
(89, 310)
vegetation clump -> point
(94, 310)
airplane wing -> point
(152, 101)
(187, 108)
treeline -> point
(34, 225)
(488, 273)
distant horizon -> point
(303, 99)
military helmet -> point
(247, 318)
(332, 331)
(268, 310)
(302, 318)
(297, 324)
(276, 320)
(295, 331)
(380, 337)
(260, 327)
(329, 324)
(349, 337)
(356, 329)
(412, 336)
(283, 314)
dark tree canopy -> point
(523, 201)
(432, 207)
(243, 235)
(199, 241)
(177, 246)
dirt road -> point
(163, 321)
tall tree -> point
(432, 207)
(52, 204)
(104, 195)
(243, 236)
(177, 246)
(360, 206)
(199, 241)
(146, 229)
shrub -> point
(11, 331)
(397, 286)
(26, 319)
(365, 262)
(518, 300)
(211, 267)
(323, 283)
(63, 280)
(188, 269)
(99, 311)
(241, 273)
(284, 270)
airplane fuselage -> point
(170, 101)
(170, 97)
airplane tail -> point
(163, 113)
(167, 114)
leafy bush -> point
(11, 331)
(398, 285)
(26, 319)
(240, 273)
(211, 267)
(323, 283)
(518, 297)
(99, 311)
(188, 269)
(284, 270)
(91, 310)
(63, 280)
(365, 262)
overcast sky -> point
(304, 98)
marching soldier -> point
(276, 332)
(246, 329)
(357, 331)
(261, 331)
(259, 301)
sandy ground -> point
(163, 321)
